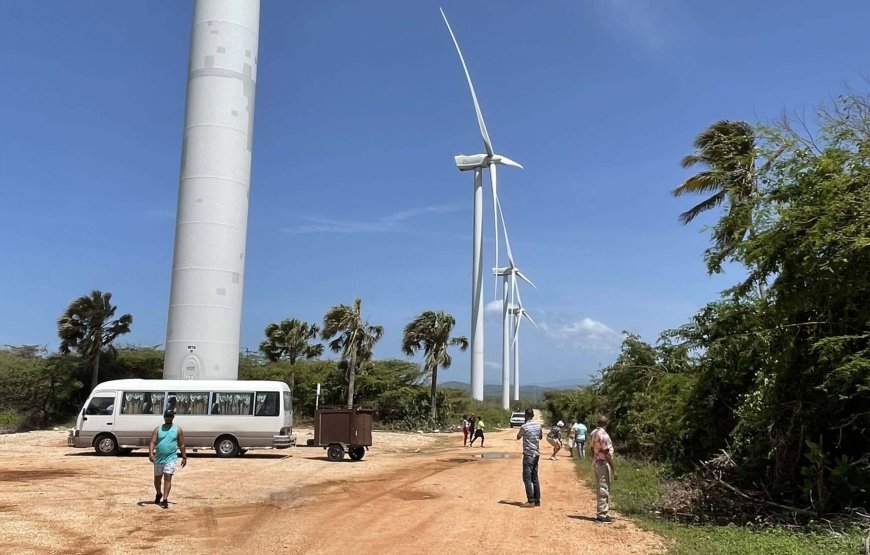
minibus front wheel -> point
(105, 444)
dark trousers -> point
(530, 478)
(477, 434)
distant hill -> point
(528, 393)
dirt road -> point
(413, 493)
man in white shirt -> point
(531, 434)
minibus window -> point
(142, 402)
(267, 403)
(232, 403)
(101, 405)
(188, 403)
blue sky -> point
(360, 109)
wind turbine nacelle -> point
(473, 162)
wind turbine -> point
(509, 275)
(476, 163)
(519, 312)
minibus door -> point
(98, 416)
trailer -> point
(340, 430)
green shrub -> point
(640, 485)
(10, 421)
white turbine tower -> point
(477, 162)
(208, 267)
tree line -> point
(39, 388)
(775, 374)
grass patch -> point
(639, 485)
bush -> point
(10, 421)
(37, 389)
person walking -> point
(602, 462)
(471, 422)
(478, 432)
(554, 438)
(466, 428)
(579, 431)
(166, 440)
(531, 434)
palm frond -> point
(701, 183)
(703, 206)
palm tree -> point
(354, 338)
(430, 332)
(727, 149)
(290, 339)
(86, 327)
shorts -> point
(165, 469)
(554, 442)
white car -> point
(518, 419)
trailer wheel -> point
(226, 446)
(335, 452)
(357, 452)
(105, 444)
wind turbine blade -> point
(527, 280)
(486, 142)
(516, 332)
(507, 242)
(526, 314)
(508, 162)
(493, 181)
(514, 291)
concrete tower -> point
(208, 269)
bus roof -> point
(190, 385)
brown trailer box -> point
(345, 428)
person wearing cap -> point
(166, 440)
(554, 438)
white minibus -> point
(228, 416)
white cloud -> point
(490, 364)
(585, 334)
(388, 223)
(493, 308)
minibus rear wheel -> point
(226, 446)
(105, 444)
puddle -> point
(455, 460)
(495, 455)
(410, 495)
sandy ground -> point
(412, 493)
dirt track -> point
(412, 493)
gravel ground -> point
(412, 493)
